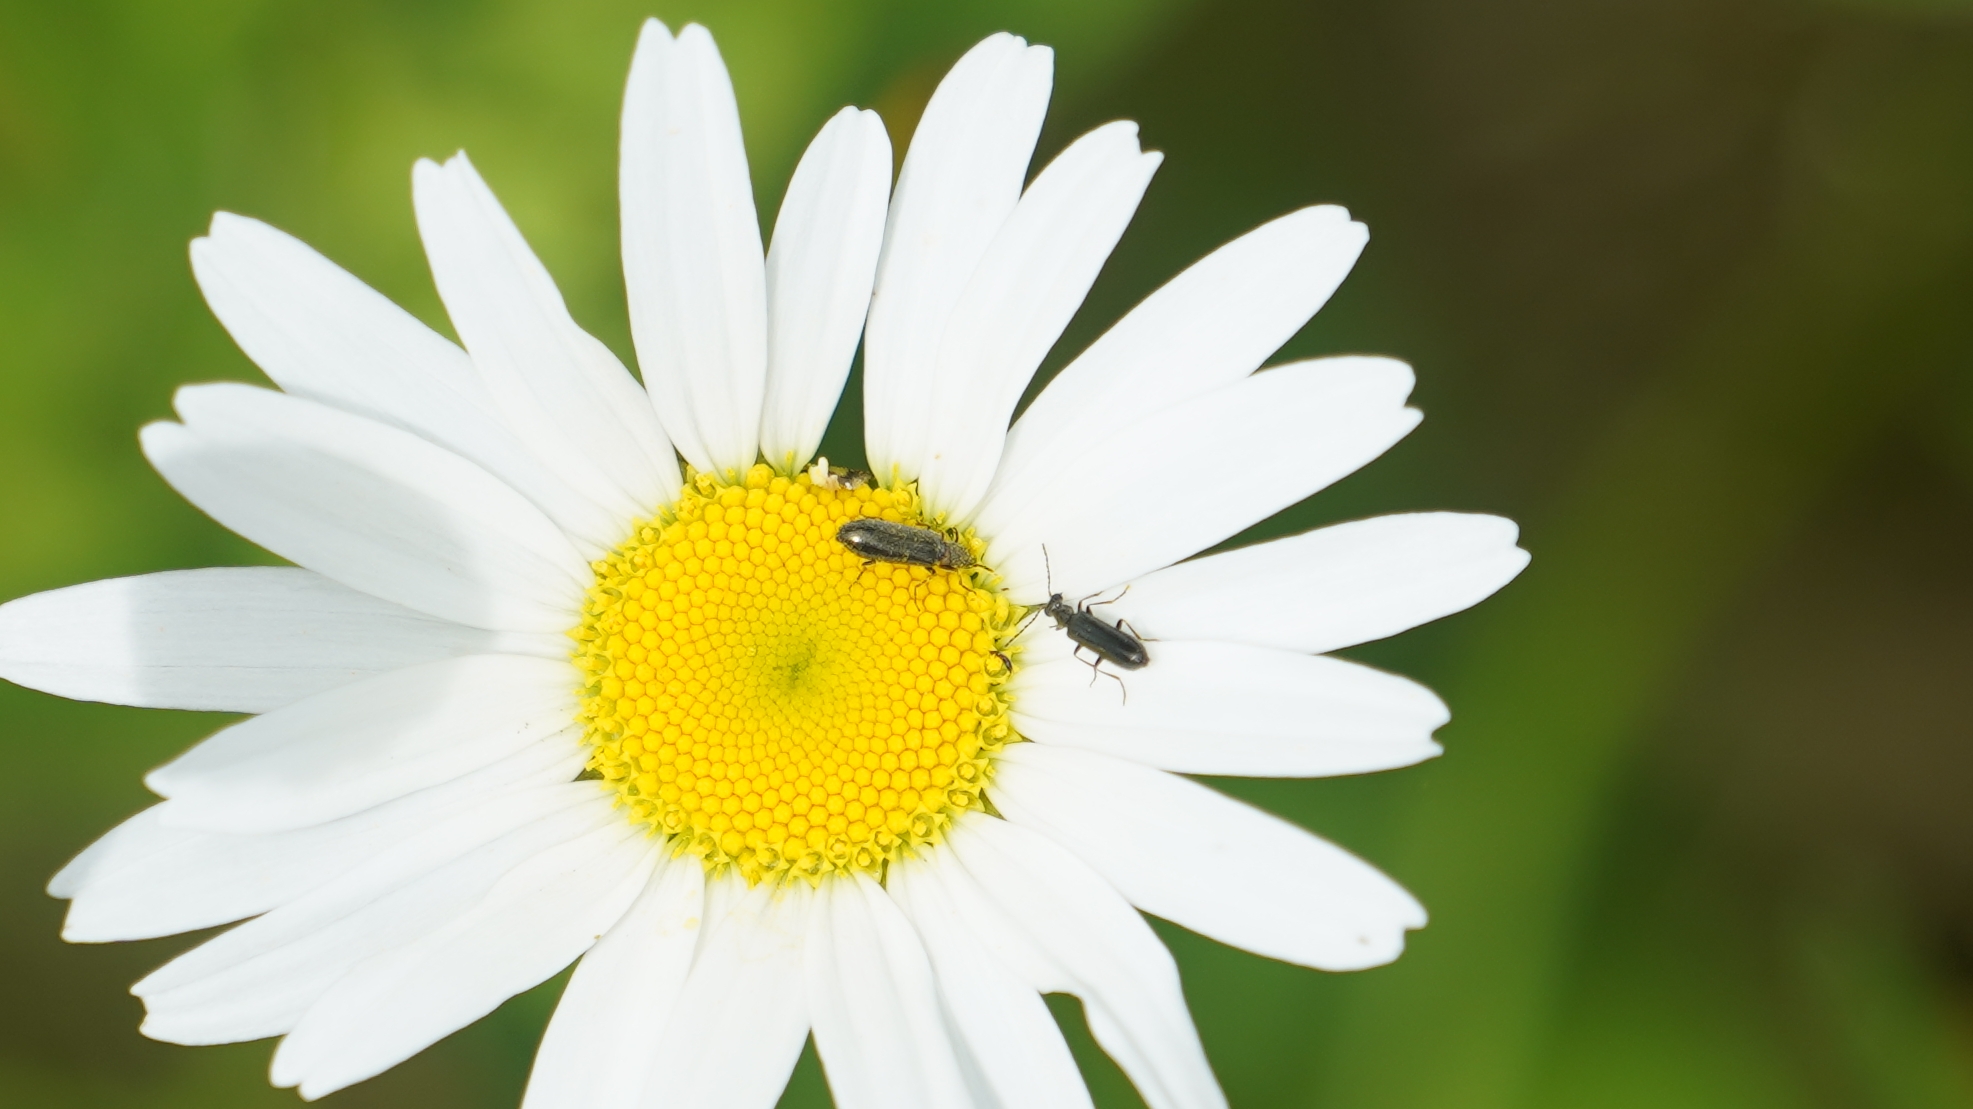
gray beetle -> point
(888, 541)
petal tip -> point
(69, 880)
(159, 435)
(1001, 40)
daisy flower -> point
(569, 666)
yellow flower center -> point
(770, 702)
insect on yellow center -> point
(768, 701)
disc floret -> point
(759, 695)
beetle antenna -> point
(1025, 621)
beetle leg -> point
(1088, 604)
(1095, 667)
(1117, 678)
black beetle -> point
(1118, 643)
(1113, 643)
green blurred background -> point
(1689, 287)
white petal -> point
(1081, 937)
(960, 181)
(322, 334)
(1009, 1041)
(562, 392)
(1030, 282)
(373, 507)
(1333, 587)
(724, 891)
(1181, 480)
(1205, 861)
(1226, 708)
(134, 838)
(871, 996)
(1206, 328)
(363, 744)
(538, 918)
(741, 1021)
(146, 878)
(934, 881)
(819, 273)
(259, 978)
(691, 249)
(223, 639)
(593, 1054)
